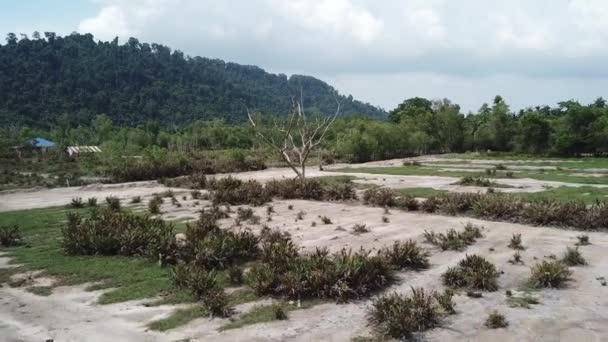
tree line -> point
(416, 126)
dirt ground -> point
(577, 312)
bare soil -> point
(577, 312)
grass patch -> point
(548, 175)
(133, 277)
(267, 313)
(178, 318)
(40, 290)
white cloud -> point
(109, 23)
(467, 39)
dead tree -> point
(297, 136)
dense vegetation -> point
(73, 78)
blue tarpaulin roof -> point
(39, 142)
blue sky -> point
(530, 52)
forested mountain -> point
(74, 78)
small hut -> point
(39, 145)
(75, 151)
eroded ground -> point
(578, 312)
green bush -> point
(453, 239)
(10, 236)
(113, 203)
(234, 192)
(344, 275)
(92, 201)
(406, 255)
(108, 232)
(76, 203)
(398, 316)
(572, 257)
(515, 242)
(496, 320)
(154, 205)
(473, 272)
(553, 274)
(380, 197)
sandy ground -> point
(577, 312)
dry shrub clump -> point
(473, 272)
(407, 202)
(498, 207)
(400, 316)
(342, 276)
(380, 197)
(309, 188)
(108, 232)
(496, 320)
(515, 242)
(10, 236)
(572, 257)
(476, 181)
(406, 255)
(553, 274)
(76, 203)
(113, 203)
(204, 286)
(457, 203)
(233, 191)
(210, 247)
(453, 239)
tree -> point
(298, 138)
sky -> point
(530, 52)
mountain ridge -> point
(48, 79)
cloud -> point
(107, 24)
(467, 39)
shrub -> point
(445, 301)
(232, 191)
(92, 201)
(154, 206)
(476, 181)
(108, 232)
(10, 236)
(572, 257)
(496, 320)
(552, 274)
(290, 207)
(406, 255)
(515, 242)
(457, 203)
(380, 197)
(246, 214)
(342, 191)
(278, 313)
(300, 215)
(472, 272)
(500, 167)
(407, 202)
(509, 174)
(454, 240)
(76, 203)
(325, 220)
(136, 199)
(113, 203)
(308, 188)
(195, 194)
(516, 259)
(385, 219)
(583, 240)
(342, 276)
(360, 229)
(398, 316)
(498, 207)
(430, 205)
(216, 301)
(235, 275)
